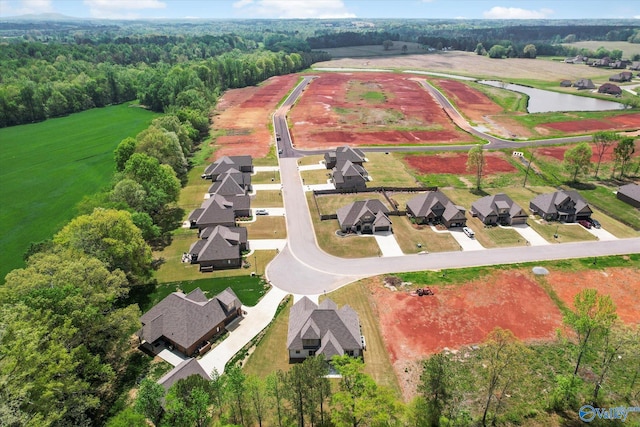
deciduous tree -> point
(602, 141)
(577, 160)
(623, 153)
(149, 400)
(476, 162)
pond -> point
(545, 101)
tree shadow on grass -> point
(581, 185)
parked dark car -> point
(584, 223)
(595, 223)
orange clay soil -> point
(328, 115)
(558, 152)
(625, 121)
(461, 315)
(456, 163)
(245, 114)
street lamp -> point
(555, 235)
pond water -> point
(545, 101)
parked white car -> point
(262, 212)
(469, 232)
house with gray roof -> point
(564, 205)
(323, 329)
(231, 183)
(584, 84)
(220, 210)
(629, 193)
(342, 154)
(349, 176)
(433, 207)
(625, 76)
(223, 164)
(188, 321)
(498, 209)
(364, 216)
(221, 249)
(183, 370)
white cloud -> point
(121, 9)
(25, 7)
(498, 12)
(295, 9)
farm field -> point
(46, 168)
(628, 49)
(470, 64)
(369, 109)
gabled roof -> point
(346, 153)
(241, 231)
(550, 202)
(227, 162)
(338, 329)
(185, 369)
(348, 169)
(184, 319)
(222, 244)
(351, 213)
(215, 209)
(630, 190)
(226, 187)
(490, 204)
(422, 204)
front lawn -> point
(409, 236)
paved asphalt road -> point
(303, 268)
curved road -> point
(303, 268)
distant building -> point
(629, 193)
(582, 84)
(610, 89)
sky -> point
(326, 9)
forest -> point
(67, 357)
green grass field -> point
(46, 168)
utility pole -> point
(526, 175)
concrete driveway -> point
(266, 244)
(529, 234)
(258, 187)
(388, 244)
(466, 243)
(272, 211)
(255, 320)
(257, 169)
(315, 167)
(602, 234)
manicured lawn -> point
(330, 203)
(387, 170)
(345, 247)
(319, 176)
(271, 355)
(267, 199)
(249, 289)
(402, 198)
(192, 195)
(266, 227)
(376, 357)
(604, 198)
(311, 160)
(495, 237)
(266, 177)
(409, 236)
(46, 168)
(565, 232)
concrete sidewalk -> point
(255, 320)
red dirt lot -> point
(472, 103)
(558, 152)
(621, 284)
(244, 115)
(456, 163)
(317, 124)
(625, 121)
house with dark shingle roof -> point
(433, 207)
(629, 193)
(564, 205)
(188, 321)
(625, 76)
(364, 216)
(183, 370)
(232, 183)
(498, 209)
(323, 330)
(342, 154)
(220, 210)
(584, 84)
(610, 89)
(223, 164)
(349, 176)
(221, 249)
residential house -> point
(183, 370)
(349, 176)
(223, 164)
(343, 154)
(222, 248)
(188, 321)
(635, 66)
(622, 77)
(365, 216)
(564, 205)
(220, 210)
(629, 193)
(584, 84)
(579, 59)
(610, 88)
(566, 83)
(498, 209)
(602, 62)
(231, 183)
(433, 207)
(323, 330)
